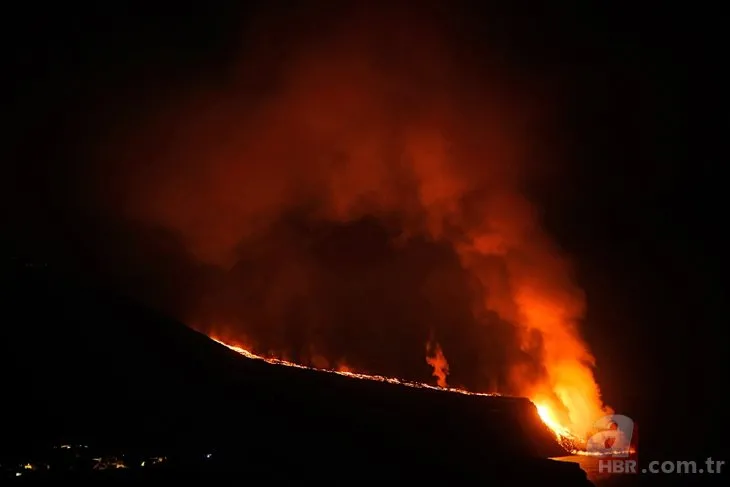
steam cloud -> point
(351, 192)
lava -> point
(349, 187)
(345, 372)
(565, 437)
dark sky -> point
(636, 208)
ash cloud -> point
(354, 187)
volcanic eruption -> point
(353, 187)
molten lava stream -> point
(565, 437)
(570, 441)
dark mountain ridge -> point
(83, 364)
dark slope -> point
(84, 365)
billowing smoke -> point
(354, 190)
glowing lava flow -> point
(568, 440)
(347, 373)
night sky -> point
(638, 211)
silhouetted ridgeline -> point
(81, 365)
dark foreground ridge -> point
(139, 391)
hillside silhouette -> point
(82, 364)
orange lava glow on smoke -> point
(435, 358)
(369, 116)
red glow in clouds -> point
(355, 184)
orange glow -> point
(372, 115)
(435, 358)
(564, 435)
(343, 371)
(570, 393)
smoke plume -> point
(356, 184)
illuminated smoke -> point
(436, 359)
(355, 183)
